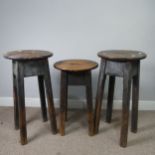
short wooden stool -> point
(126, 64)
(30, 63)
(75, 72)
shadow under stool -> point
(75, 72)
(126, 64)
(28, 63)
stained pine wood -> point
(75, 72)
(21, 104)
(42, 97)
(63, 102)
(124, 64)
(122, 55)
(89, 103)
(75, 65)
(125, 107)
(15, 97)
(135, 97)
(27, 55)
(110, 98)
(99, 96)
(26, 65)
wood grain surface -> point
(122, 55)
(27, 54)
(75, 65)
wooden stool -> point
(75, 72)
(125, 64)
(30, 63)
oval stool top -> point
(75, 65)
(28, 55)
(122, 55)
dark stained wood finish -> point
(63, 102)
(99, 95)
(49, 93)
(15, 97)
(21, 103)
(42, 97)
(25, 68)
(74, 73)
(135, 98)
(125, 105)
(89, 102)
(75, 65)
(110, 98)
(115, 64)
(27, 55)
(122, 55)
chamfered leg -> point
(49, 93)
(99, 95)
(21, 103)
(63, 101)
(125, 107)
(15, 97)
(89, 103)
(135, 98)
(42, 97)
(110, 98)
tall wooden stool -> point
(31, 63)
(126, 64)
(75, 72)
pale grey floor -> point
(76, 141)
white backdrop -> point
(77, 29)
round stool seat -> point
(75, 65)
(28, 55)
(122, 55)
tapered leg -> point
(21, 103)
(135, 98)
(16, 109)
(63, 101)
(66, 97)
(89, 103)
(110, 98)
(125, 109)
(49, 93)
(66, 111)
(42, 97)
(99, 95)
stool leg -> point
(110, 98)
(66, 111)
(21, 102)
(63, 102)
(135, 98)
(89, 103)
(16, 109)
(125, 110)
(42, 97)
(51, 109)
(65, 98)
(99, 95)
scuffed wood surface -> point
(28, 55)
(122, 55)
(75, 65)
